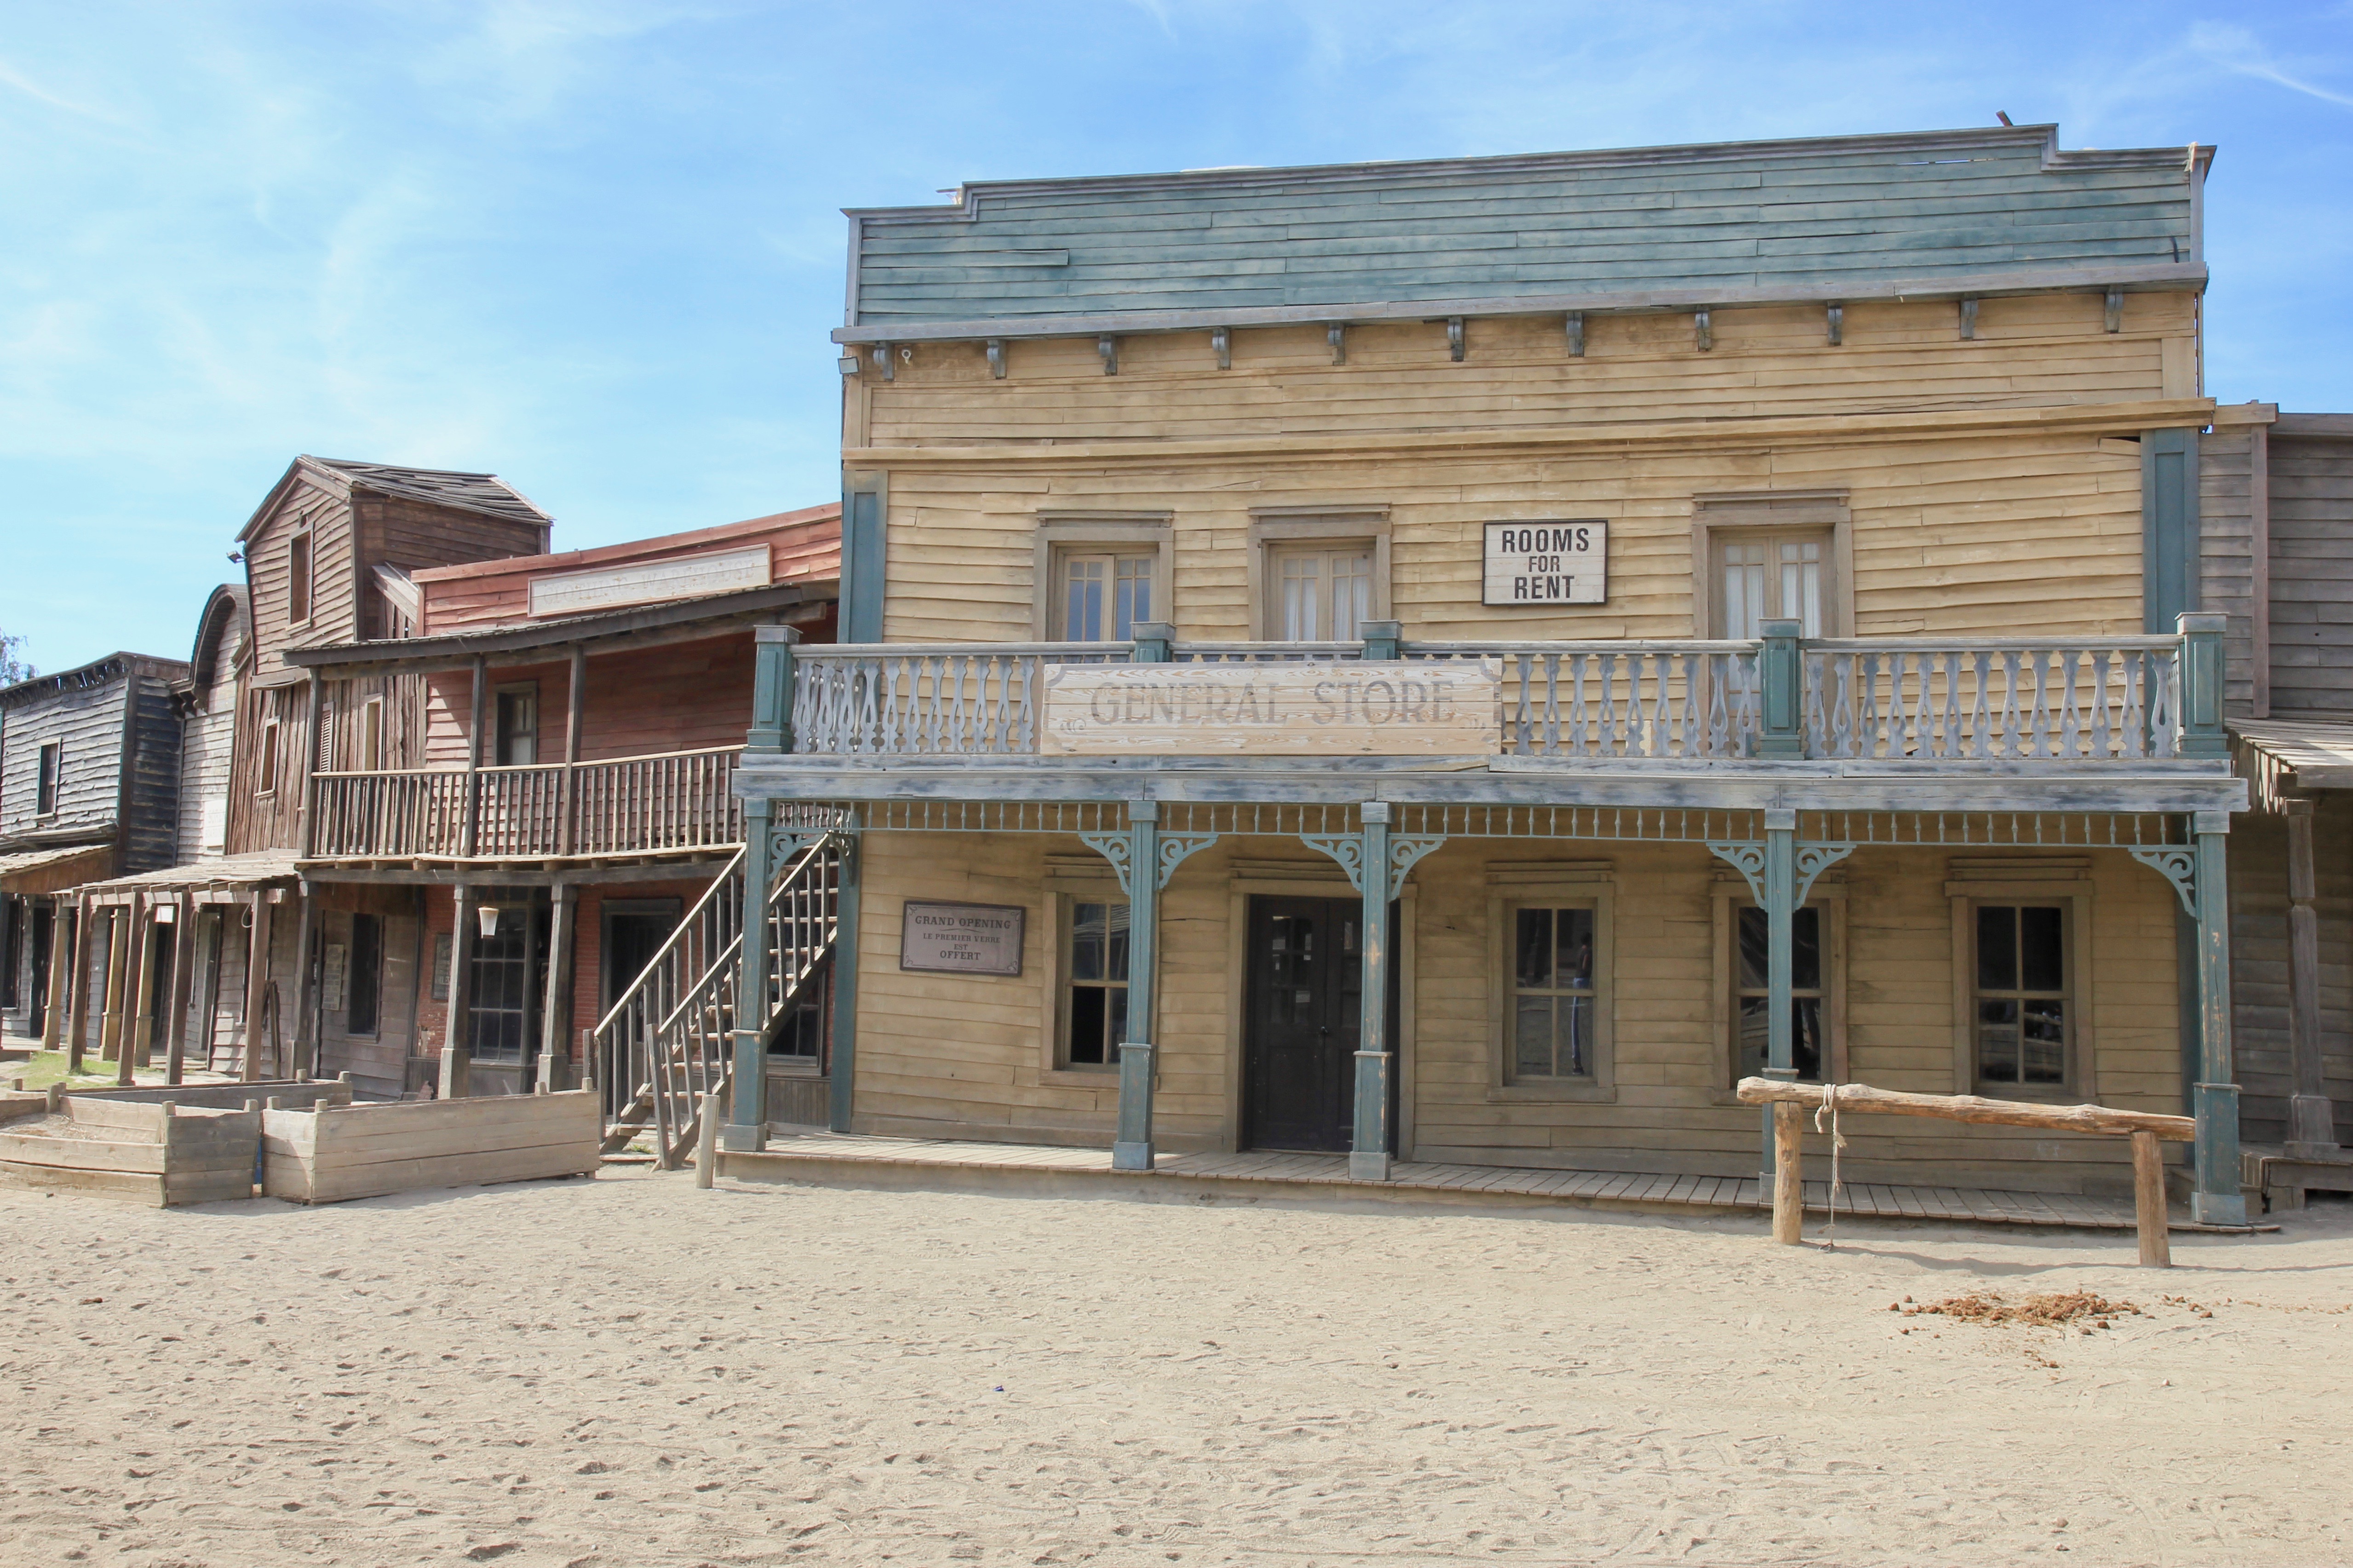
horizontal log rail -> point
(1781, 697)
(622, 806)
(1790, 1101)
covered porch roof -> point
(2285, 757)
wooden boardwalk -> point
(799, 1153)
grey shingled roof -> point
(448, 487)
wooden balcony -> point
(676, 801)
(1967, 702)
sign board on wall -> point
(1329, 708)
(681, 577)
(1548, 562)
(962, 939)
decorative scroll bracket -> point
(1114, 847)
(1175, 848)
(1404, 853)
(1813, 859)
(1746, 857)
(2178, 866)
(786, 843)
(1348, 848)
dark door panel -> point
(1305, 979)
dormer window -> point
(45, 788)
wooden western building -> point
(1465, 661)
(89, 764)
(424, 762)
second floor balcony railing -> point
(1961, 700)
(673, 801)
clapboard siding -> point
(966, 1056)
(2226, 548)
(803, 546)
(87, 720)
(679, 696)
(151, 777)
(2259, 964)
(1781, 216)
(1952, 536)
(2312, 574)
(2046, 350)
(416, 536)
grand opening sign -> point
(1548, 562)
(1435, 707)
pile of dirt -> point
(2050, 1312)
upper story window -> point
(518, 726)
(298, 579)
(371, 736)
(51, 778)
(1102, 597)
(1318, 578)
(1771, 556)
(266, 783)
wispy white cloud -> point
(2237, 49)
(12, 76)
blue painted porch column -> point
(1373, 1145)
(1131, 1151)
(747, 1118)
(1779, 894)
(842, 1069)
(2218, 1199)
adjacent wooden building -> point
(1466, 660)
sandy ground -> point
(629, 1371)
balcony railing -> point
(1954, 700)
(677, 800)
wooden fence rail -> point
(673, 800)
(2145, 1128)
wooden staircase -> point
(671, 1035)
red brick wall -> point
(681, 696)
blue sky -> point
(595, 244)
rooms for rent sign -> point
(1548, 562)
(1434, 708)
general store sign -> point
(961, 939)
(1548, 562)
(1338, 708)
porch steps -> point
(831, 1159)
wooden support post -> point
(1781, 732)
(120, 919)
(2218, 1199)
(706, 1142)
(772, 689)
(2311, 1117)
(2149, 1202)
(305, 1033)
(85, 946)
(184, 980)
(1789, 1122)
(1380, 638)
(139, 1021)
(306, 831)
(2202, 671)
(575, 719)
(747, 1108)
(480, 700)
(1132, 1149)
(1779, 896)
(64, 948)
(842, 1070)
(555, 1008)
(457, 1043)
(257, 982)
(1372, 1144)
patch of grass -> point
(46, 1067)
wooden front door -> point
(1306, 978)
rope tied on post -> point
(1838, 1141)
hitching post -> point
(1133, 1149)
(1370, 1148)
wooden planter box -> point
(148, 1152)
(337, 1152)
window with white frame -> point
(1100, 594)
(1092, 1006)
(1321, 592)
(1772, 555)
(1765, 575)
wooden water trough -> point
(162, 1146)
(1790, 1101)
(330, 1152)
